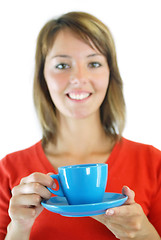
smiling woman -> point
(78, 95)
(97, 41)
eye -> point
(62, 66)
(94, 65)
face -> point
(77, 76)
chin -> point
(81, 115)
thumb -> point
(130, 194)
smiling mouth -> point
(78, 96)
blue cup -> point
(81, 184)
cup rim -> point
(83, 165)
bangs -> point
(87, 30)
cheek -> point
(55, 82)
(102, 82)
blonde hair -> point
(88, 28)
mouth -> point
(79, 96)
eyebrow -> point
(61, 55)
(94, 55)
(67, 56)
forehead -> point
(67, 41)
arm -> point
(25, 205)
(128, 221)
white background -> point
(136, 28)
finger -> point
(50, 173)
(21, 213)
(41, 178)
(130, 194)
(124, 213)
(54, 181)
(31, 188)
(26, 200)
(119, 212)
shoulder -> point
(21, 156)
(140, 155)
(137, 147)
(21, 163)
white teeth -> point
(78, 96)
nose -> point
(79, 75)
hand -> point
(25, 204)
(128, 221)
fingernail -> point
(54, 185)
(126, 187)
(110, 212)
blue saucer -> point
(61, 206)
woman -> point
(79, 101)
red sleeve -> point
(5, 195)
(155, 209)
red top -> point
(133, 164)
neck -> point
(81, 137)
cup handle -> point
(58, 192)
